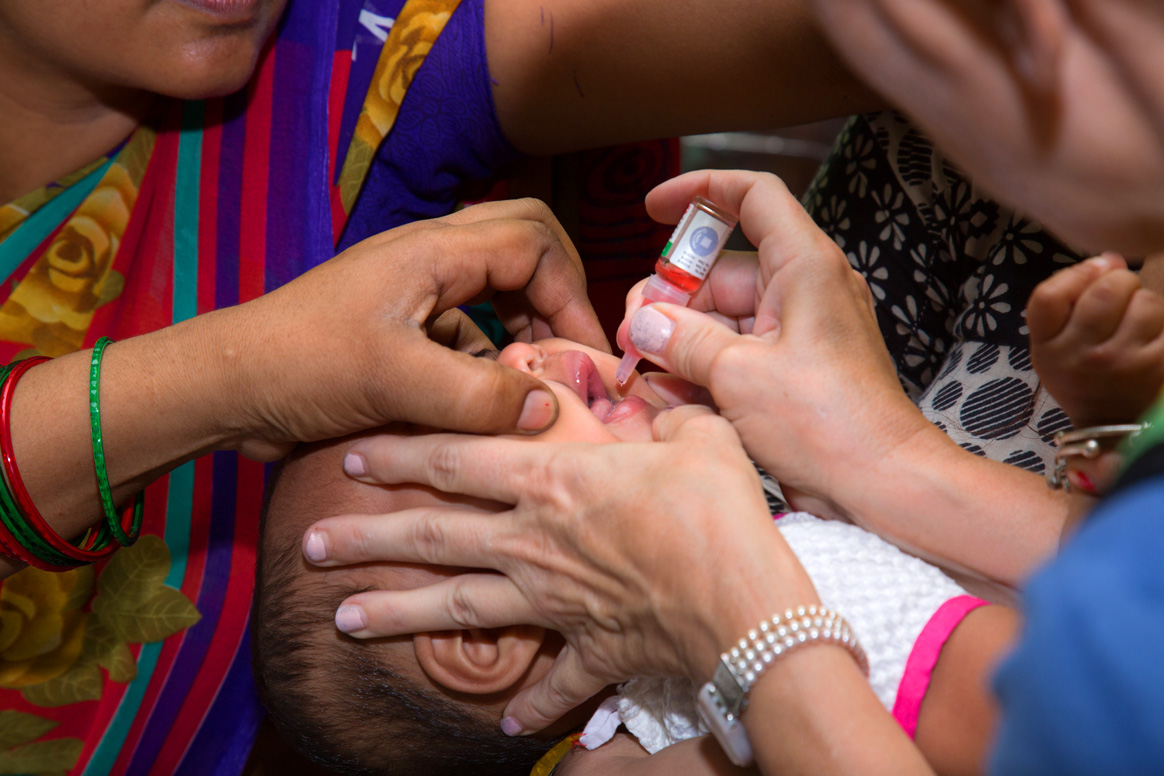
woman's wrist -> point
(764, 580)
(958, 509)
(160, 403)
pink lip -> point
(227, 11)
(581, 376)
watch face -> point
(728, 730)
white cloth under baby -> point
(886, 595)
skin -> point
(80, 76)
(956, 716)
(1097, 341)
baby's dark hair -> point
(337, 701)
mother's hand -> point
(345, 347)
(800, 368)
(648, 558)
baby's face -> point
(590, 406)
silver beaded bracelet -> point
(724, 698)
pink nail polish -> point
(1081, 481)
(355, 465)
(315, 548)
(349, 618)
(511, 727)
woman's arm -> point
(340, 349)
(572, 74)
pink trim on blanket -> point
(924, 656)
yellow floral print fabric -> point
(413, 34)
(53, 305)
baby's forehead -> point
(391, 576)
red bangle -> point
(82, 552)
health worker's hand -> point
(346, 346)
(793, 356)
(649, 558)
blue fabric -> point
(431, 154)
(1084, 691)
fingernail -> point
(315, 548)
(1103, 261)
(355, 465)
(539, 412)
(349, 618)
(1081, 481)
(661, 383)
(511, 727)
(650, 330)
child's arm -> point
(573, 74)
(622, 756)
(958, 716)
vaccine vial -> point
(685, 262)
(696, 243)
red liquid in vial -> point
(680, 278)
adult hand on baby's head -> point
(649, 558)
(345, 347)
(811, 389)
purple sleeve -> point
(447, 135)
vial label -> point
(697, 242)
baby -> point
(431, 703)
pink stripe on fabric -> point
(924, 656)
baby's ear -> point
(479, 661)
(1035, 32)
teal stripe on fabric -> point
(186, 196)
(105, 756)
(179, 509)
(180, 490)
(39, 225)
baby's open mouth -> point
(581, 376)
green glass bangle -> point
(112, 519)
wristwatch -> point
(724, 698)
(720, 703)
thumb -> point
(450, 390)
(684, 342)
(567, 685)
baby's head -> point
(430, 703)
